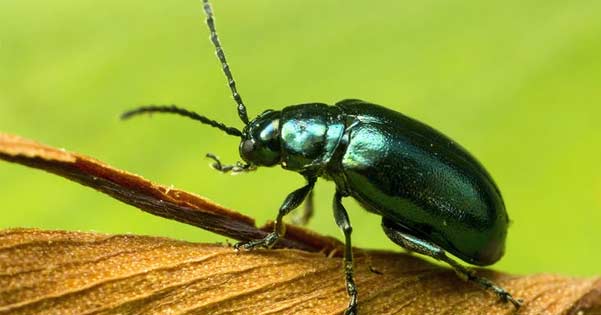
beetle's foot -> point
(507, 297)
(351, 289)
(234, 169)
(267, 242)
(351, 310)
(499, 291)
(352, 306)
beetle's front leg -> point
(293, 200)
(424, 247)
(234, 168)
(344, 224)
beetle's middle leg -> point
(398, 235)
(293, 200)
(344, 224)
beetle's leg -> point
(234, 168)
(304, 217)
(344, 224)
(410, 242)
(293, 200)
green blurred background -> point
(516, 82)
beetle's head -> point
(260, 143)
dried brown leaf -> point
(153, 198)
(55, 272)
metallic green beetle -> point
(433, 196)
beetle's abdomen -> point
(406, 171)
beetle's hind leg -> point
(410, 242)
(293, 200)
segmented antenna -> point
(172, 109)
(226, 68)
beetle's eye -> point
(259, 153)
(261, 143)
(248, 146)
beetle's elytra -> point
(433, 196)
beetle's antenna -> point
(226, 68)
(172, 109)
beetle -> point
(433, 196)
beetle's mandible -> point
(433, 196)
